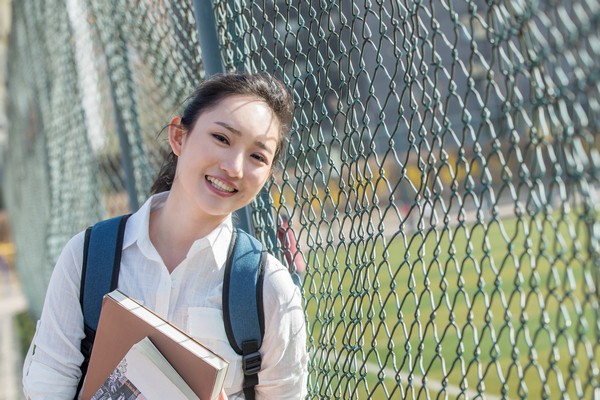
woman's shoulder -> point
(278, 283)
(75, 244)
(68, 266)
(71, 256)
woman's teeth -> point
(220, 185)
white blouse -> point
(190, 297)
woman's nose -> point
(233, 165)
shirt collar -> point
(137, 230)
(218, 240)
(138, 224)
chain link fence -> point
(440, 182)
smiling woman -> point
(224, 147)
(223, 160)
(260, 87)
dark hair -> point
(210, 93)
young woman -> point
(224, 147)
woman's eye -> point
(220, 138)
(260, 158)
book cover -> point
(144, 374)
(124, 322)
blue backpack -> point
(243, 313)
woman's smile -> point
(220, 185)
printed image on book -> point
(118, 386)
(144, 374)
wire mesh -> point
(440, 181)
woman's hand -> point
(223, 396)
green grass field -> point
(507, 308)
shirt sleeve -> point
(52, 366)
(284, 352)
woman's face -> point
(225, 160)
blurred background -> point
(16, 325)
(440, 186)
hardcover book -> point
(144, 374)
(124, 322)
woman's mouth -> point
(220, 185)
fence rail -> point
(441, 179)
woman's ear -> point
(176, 135)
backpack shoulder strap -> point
(243, 313)
(99, 275)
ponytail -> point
(166, 175)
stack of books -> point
(139, 355)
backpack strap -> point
(243, 313)
(99, 276)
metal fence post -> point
(125, 146)
(206, 28)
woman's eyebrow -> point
(228, 127)
(239, 133)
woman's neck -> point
(174, 227)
